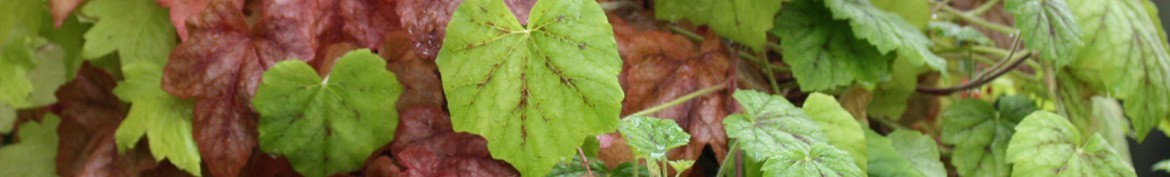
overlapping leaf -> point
(1046, 144)
(652, 137)
(19, 28)
(1129, 58)
(823, 53)
(329, 125)
(516, 85)
(139, 34)
(903, 153)
(156, 115)
(744, 21)
(34, 154)
(840, 127)
(1047, 26)
(886, 31)
(788, 141)
(980, 135)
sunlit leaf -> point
(1047, 144)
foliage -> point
(651, 138)
(34, 155)
(1047, 143)
(532, 82)
(788, 141)
(744, 21)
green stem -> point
(680, 100)
(727, 158)
(983, 8)
(664, 168)
(979, 21)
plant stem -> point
(1001, 68)
(680, 100)
(588, 169)
(979, 21)
(730, 151)
(983, 8)
(696, 37)
(889, 123)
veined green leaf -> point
(823, 53)
(651, 137)
(575, 168)
(980, 135)
(1047, 26)
(1129, 58)
(143, 33)
(915, 12)
(534, 92)
(744, 21)
(789, 142)
(1047, 144)
(35, 154)
(839, 126)
(820, 159)
(329, 125)
(163, 119)
(890, 98)
(886, 31)
(904, 154)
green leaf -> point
(49, 74)
(143, 33)
(7, 118)
(980, 137)
(1163, 166)
(1129, 58)
(163, 119)
(823, 53)
(920, 150)
(533, 92)
(886, 31)
(576, 168)
(770, 125)
(818, 160)
(331, 125)
(915, 12)
(1047, 26)
(886, 161)
(19, 24)
(651, 137)
(681, 165)
(960, 33)
(839, 126)
(35, 154)
(890, 98)
(1047, 144)
(789, 142)
(69, 38)
(628, 169)
(743, 21)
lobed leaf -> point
(980, 135)
(35, 153)
(839, 126)
(823, 54)
(158, 116)
(330, 125)
(1047, 144)
(1047, 26)
(903, 153)
(886, 31)
(743, 21)
(652, 137)
(534, 92)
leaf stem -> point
(730, 151)
(588, 169)
(1001, 68)
(983, 8)
(680, 100)
(979, 21)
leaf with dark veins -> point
(1048, 27)
(426, 20)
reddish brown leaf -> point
(60, 10)
(90, 113)
(659, 67)
(426, 21)
(181, 10)
(383, 166)
(264, 165)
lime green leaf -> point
(1163, 166)
(960, 33)
(884, 159)
(916, 12)
(35, 154)
(19, 24)
(920, 150)
(1129, 58)
(1047, 144)
(69, 38)
(822, 52)
(49, 74)
(769, 125)
(1047, 26)
(7, 118)
(144, 33)
(841, 128)
(533, 92)
(330, 125)
(886, 31)
(890, 97)
(681, 165)
(651, 137)
(818, 160)
(743, 21)
(980, 137)
(163, 119)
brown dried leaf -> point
(90, 113)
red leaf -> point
(90, 113)
(181, 10)
(426, 21)
(60, 10)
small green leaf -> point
(980, 136)
(144, 33)
(1014, 108)
(1047, 26)
(534, 92)
(19, 25)
(823, 54)
(885, 161)
(886, 31)
(331, 125)
(1129, 59)
(1163, 166)
(820, 159)
(156, 115)
(576, 168)
(770, 125)
(744, 21)
(681, 165)
(651, 137)
(920, 150)
(35, 154)
(1047, 144)
(841, 128)
(890, 98)
(960, 33)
